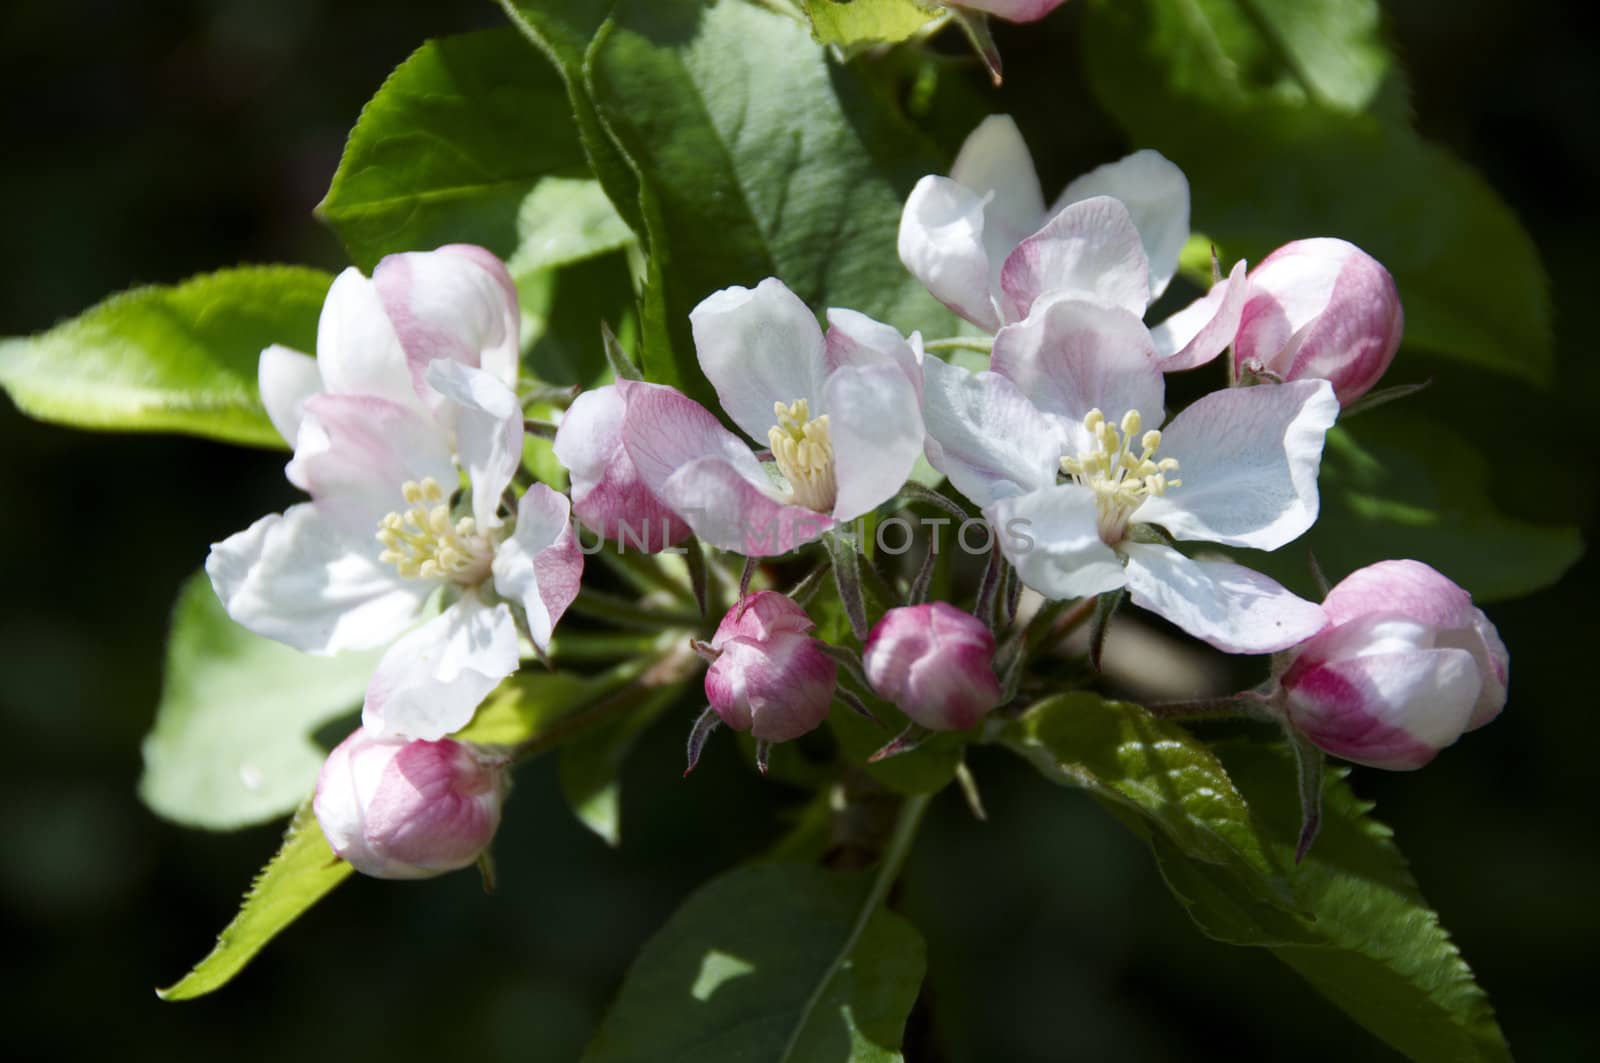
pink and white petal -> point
(994, 163)
(1203, 329)
(287, 379)
(1090, 250)
(540, 566)
(1391, 710)
(608, 494)
(942, 244)
(301, 580)
(876, 423)
(1248, 461)
(759, 346)
(1404, 587)
(1157, 197)
(1012, 10)
(1071, 356)
(663, 430)
(358, 352)
(1494, 663)
(1052, 538)
(1235, 609)
(488, 432)
(985, 435)
(1353, 343)
(854, 339)
(355, 452)
(733, 512)
(456, 303)
(431, 682)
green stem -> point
(981, 344)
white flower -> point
(383, 441)
(983, 243)
(1058, 443)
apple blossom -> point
(402, 809)
(839, 413)
(771, 677)
(384, 532)
(1320, 308)
(936, 663)
(1010, 10)
(1057, 443)
(983, 243)
(1406, 665)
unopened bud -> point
(1405, 666)
(1320, 309)
(771, 677)
(936, 663)
(402, 809)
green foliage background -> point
(145, 146)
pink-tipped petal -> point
(540, 566)
(608, 495)
(1090, 250)
(456, 303)
(854, 339)
(1156, 194)
(1012, 10)
(936, 663)
(358, 352)
(1202, 330)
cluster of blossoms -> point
(408, 434)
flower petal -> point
(456, 303)
(876, 424)
(1157, 197)
(540, 566)
(1235, 609)
(1090, 250)
(358, 352)
(985, 435)
(287, 379)
(1070, 356)
(1014, 10)
(608, 495)
(355, 452)
(488, 432)
(1052, 537)
(1248, 459)
(854, 339)
(300, 579)
(1203, 329)
(995, 164)
(758, 347)
(942, 243)
(431, 681)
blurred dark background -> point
(148, 142)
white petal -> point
(876, 424)
(287, 379)
(985, 435)
(1157, 197)
(994, 161)
(942, 244)
(1203, 329)
(357, 349)
(1234, 608)
(1071, 356)
(1389, 710)
(1248, 459)
(758, 347)
(457, 303)
(488, 432)
(432, 681)
(540, 566)
(855, 339)
(299, 579)
(1052, 537)
(355, 453)
(1090, 250)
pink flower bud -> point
(1320, 309)
(771, 677)
(936, 663)
(409, 809)
(1405, 666)
(1011, 10)
(608, 495)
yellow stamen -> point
(802, 446)
(423, 542)
(1120, 480)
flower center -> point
(803, 448)
(1119, 479)
(423, 543)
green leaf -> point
(169, 359)
(450, 148)
(1397, 485)
(853, 23)
(302, 872)
(752, 157)
(563, 220)
(1204, 82)
(231, 744)
(562, 312)
(773, 962)
(1370, 944)
(1156, 771)
(591, 765)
